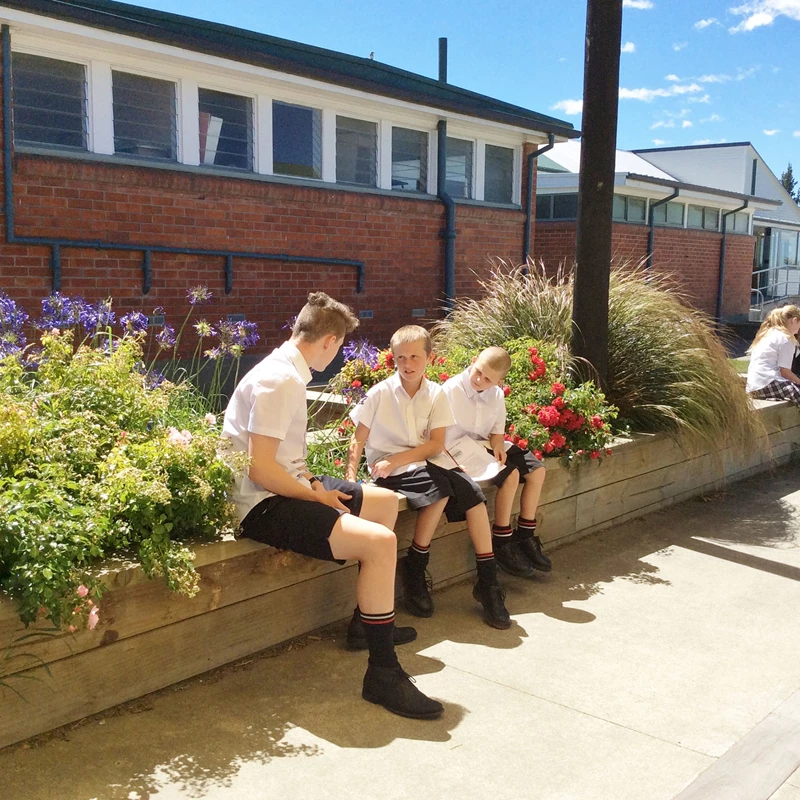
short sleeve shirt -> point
(476, 414)
(270, 400)
(398, 422)
(774, 351)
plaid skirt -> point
(426, 485)
(779, 390)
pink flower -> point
(557, 440)
(356, 384)
(558, 402)
(597, 421)
(82, 591)
(558, 388)
(338, 462)
(538, 454)
(548, 416)
(609, 451)
(506, 390)
(210, 419)
(534, 351)
(595, 454)
(94, 618)
(181, 438)
(522, 444)
(443, 376)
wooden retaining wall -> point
(252, 596)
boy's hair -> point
(497, 359)
(321, 316)
(411, 333)
(777, 318)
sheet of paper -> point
(472, 457)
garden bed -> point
(252, 596)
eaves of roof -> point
(284, 55)
(691, 187)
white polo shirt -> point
(398, 422)
(270, 400)
(477, 414)
(774, 351)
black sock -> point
(526, 528)
(502, 535)
(379, 629)
(418, 556)
(487, 572)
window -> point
(785, 244)
(498, 186)
(458, 179)
(226, 129)
(296, 140)
(49, 101)
(668, 214)
(145, 121)
(629, 209)
(703, 218)
(739, 222)
(557, 206)
(409, 160)
(356, 152)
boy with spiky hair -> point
(479, 409)
(282, 504)
(402, 423)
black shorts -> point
(301, 526)
(427, 485)
(523, 461)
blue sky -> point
(692, 71)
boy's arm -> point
(497, 443)
(354, 451)
(422, 452)
(267, 472)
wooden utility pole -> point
(596, 184)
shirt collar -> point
(399, 390)
(291, 352)
(470, 390)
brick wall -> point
(691, 257)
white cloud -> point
(678, 46)
(663, 123)
(743, 74)
(643, 4)
(671, 77)
(648, 95)
(628, 47)
(796, 133)
(771, 132)
(712, 118)
(658, 142)
(570, 107)
(709, 141)
(706, 98)
(720, 78)
(687, 123)
(758, 13)
(705, 23)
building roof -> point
(567, 155)
(284, 55)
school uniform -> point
(397, 423)
(776, 350)
(271, 401)
(480, 415)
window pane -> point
(498, 184)
(741, 222)
(695, 218)
(409, 160)
(674, 213)
(786, 246)
(458, 179)
(637, 209)
(296, 140)
(565, 206)
(356, 152)
(144, 116)
(659, 214)
(618, 211)
(544, 208)
(49, 101)
(711, 219)
(226, 129)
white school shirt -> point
(774, 351)
(398, 422)
(476, 414)
(270, 400)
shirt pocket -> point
(422, 429)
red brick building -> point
(146, 153)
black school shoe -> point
(531, 550)
(357, 636)
(416, 590)
(510, 558)
(492, 598)
(393, 688)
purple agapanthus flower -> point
(361, 349)
(289, 324)
(354, 394)
(166, 338)
(59, 312)
(97, 316)
(199, 295)
(153, 380)
(247, 333)
(135, 322)
(12, 323)
(236, 337)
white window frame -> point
(516, 169)
(252, 97)
(431, 172)
(379, 148)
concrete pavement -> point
(659, 655)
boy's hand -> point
(331, 497)
(500, 454)
(382, 468)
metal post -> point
(8, 144)
(526, 242)
(596, 186)
(722, 248)
(443, 59)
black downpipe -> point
(450, 218)
(56, 243)
(651, 237)
(526, 244)
(721, 284)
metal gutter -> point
(449, 234)
(651, 236)
(721, 282)
(57, 243)
(693, 187)
(526, 244)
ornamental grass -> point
(667, 367)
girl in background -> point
(770, 376)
